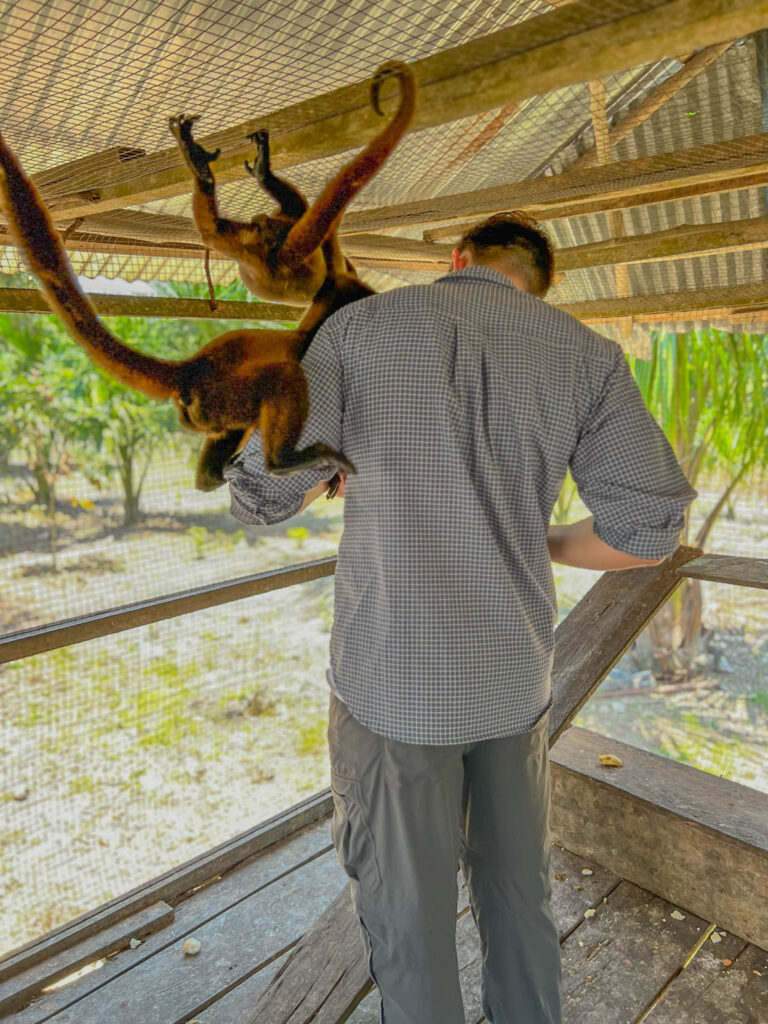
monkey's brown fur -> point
(241, 381)
(279, 255)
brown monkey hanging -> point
(241, 381)
(279, 254)
(238, 381)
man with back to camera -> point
(461, 404)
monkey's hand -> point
(260, 168)
(198, 160)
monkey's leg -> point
(215, 453)
(281, 419)
(225, 236)
(292, 202)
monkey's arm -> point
(260, 498)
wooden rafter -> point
(700, 170)
(29, 300)
(749, 303)
(655, 99)
(389, 251)
(580, 41)
(699, 304)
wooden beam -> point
(54, 635)
(701, 170)
(29, 300)
(695, 839)
(580, 41)
(389, 251)
(743, 572)
(602, 626)
(684, 240)
(701, 304)
(114, 246)
(746, 302)
(655, 99)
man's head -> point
(511, 243)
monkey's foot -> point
(198, 160)
(315, 455)
(260, 168)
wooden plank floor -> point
(621, 964)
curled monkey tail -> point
(314, 226)
(32, 230)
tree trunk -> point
(131, 514)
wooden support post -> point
(580, 41)
(598, 108)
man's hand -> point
(577, 544)
(321, 488)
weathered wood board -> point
(743, 572)
(616, 962)
(326, 976)
(171, 988)
(255, 874)
(711, 992)
(693, 838)
(17, 990)
(601, 627)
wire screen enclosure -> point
(643, 159)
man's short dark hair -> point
(517, 239)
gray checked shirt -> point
(462, 403)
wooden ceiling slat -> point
(569, 45)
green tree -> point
(709, 391)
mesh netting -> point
(128, 754)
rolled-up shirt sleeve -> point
(626, 471)
(258, 498)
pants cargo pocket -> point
(352, 835)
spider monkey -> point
(241, 381)
(279, 254)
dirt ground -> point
(127, 755)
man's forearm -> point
(310, 496)
(577, 544)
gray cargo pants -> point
(404, 817)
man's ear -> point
(459, 261)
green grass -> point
(760, 700)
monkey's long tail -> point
(33, 232)
(311, 230)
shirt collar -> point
(477, 272)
